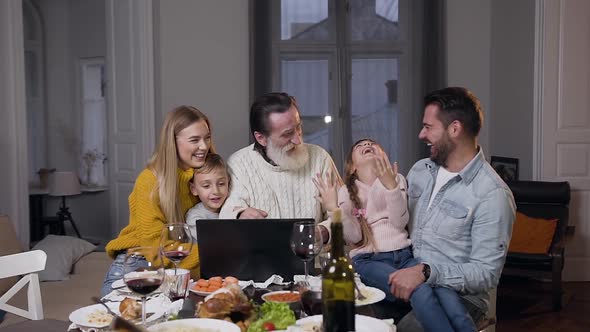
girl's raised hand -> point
(328, 190)
(386, 173)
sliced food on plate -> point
(208, 286)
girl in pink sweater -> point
(374, 217)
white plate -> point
(372, 294)
(82, 317)
(203, 323)
(362, 323)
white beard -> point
(290, 157)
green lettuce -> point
(277, 313)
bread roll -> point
(130, 309)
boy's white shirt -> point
(199, 211)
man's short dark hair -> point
(458, 104)
(263, 107)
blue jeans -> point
(437, 308)
(117, 269)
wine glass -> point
(306, 242)
(143, 279)
(176, 243)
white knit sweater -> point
(281, 193)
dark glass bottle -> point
(338, 284)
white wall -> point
(512, 82)
(468, 54)
(202, 59)
(88, 28)
(490, 46)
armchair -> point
(547, 200)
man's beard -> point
(442, 149)
(290, 157)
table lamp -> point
(64, 184)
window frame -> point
(342, 51)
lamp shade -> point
(64, 184)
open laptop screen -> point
(248, 249)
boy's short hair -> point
(213, 162)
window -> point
(94, 129)
(346, 62)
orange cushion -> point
(532, 235)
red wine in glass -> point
(143, 273)
(176, 256)
(176, 242)
(143, 286)
(303, 253)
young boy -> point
(211, 184)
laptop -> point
(248, 249)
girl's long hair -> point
(350, 177)
(165, 162)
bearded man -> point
(272, 178)
(461, 212)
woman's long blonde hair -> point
(350, 177)
(165, 162)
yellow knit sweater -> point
(146, 219)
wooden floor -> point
(525, 305)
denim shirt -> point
(465, 233)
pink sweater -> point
(386, 213)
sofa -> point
(60, 297)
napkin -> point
(389, 321)
(315, 282)
(274, 279)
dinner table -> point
(381, 310)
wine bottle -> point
(338, 308)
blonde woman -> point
(161, 193)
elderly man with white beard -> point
(272, 178)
